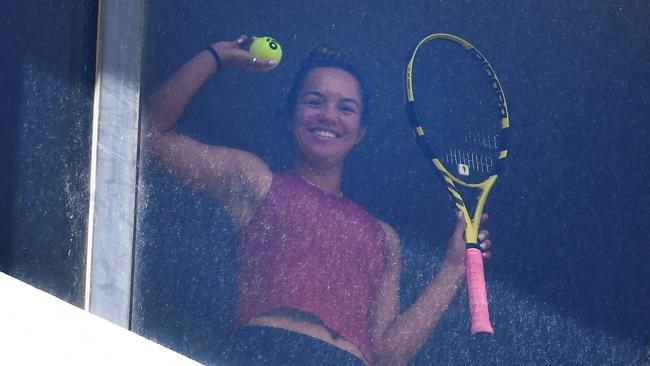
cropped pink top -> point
(310, 250)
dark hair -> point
(323, 56)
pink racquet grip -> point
(478, 305)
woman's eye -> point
(313, 102)
(347, 109)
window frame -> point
(114, 156)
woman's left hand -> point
(483, 240)
(457, 246)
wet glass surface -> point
(47, 76)
(568, 280)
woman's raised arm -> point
(235, 178)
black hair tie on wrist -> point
(216, 57)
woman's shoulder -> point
(391, 235)
(393, 248)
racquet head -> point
(459, 103)
(458, 111)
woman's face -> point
(326, 121)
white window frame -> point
(114, 155)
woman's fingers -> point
(485, 245)
(235, 55)
(244, 41)
(483, 234)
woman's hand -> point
(483, 240)
(457, 245)
(235, 56)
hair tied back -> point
(323, 54)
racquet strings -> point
(458, 109)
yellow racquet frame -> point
(474, 263)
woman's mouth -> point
(323, 133)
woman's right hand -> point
(235, 56)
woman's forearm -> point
(169, 101)
(410, 330)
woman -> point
(314, 271)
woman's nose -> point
(327, 115)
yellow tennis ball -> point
(266, 47)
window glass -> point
(47, 75)
(566, 222)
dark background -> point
(568, 284)
(47, 72)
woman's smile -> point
(325, 134)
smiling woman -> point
(326, 125)
(317, 276)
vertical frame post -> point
(113, 171)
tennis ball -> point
(266, 47)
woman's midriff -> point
(306, 326)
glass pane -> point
(567, 281)
(47, 77)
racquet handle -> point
(478, 305)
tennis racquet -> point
(461, 125)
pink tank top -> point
(310, 250)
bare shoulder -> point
(237, 179)
(255, 176)
(392, 239)
(226, 174)
(246, 186)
